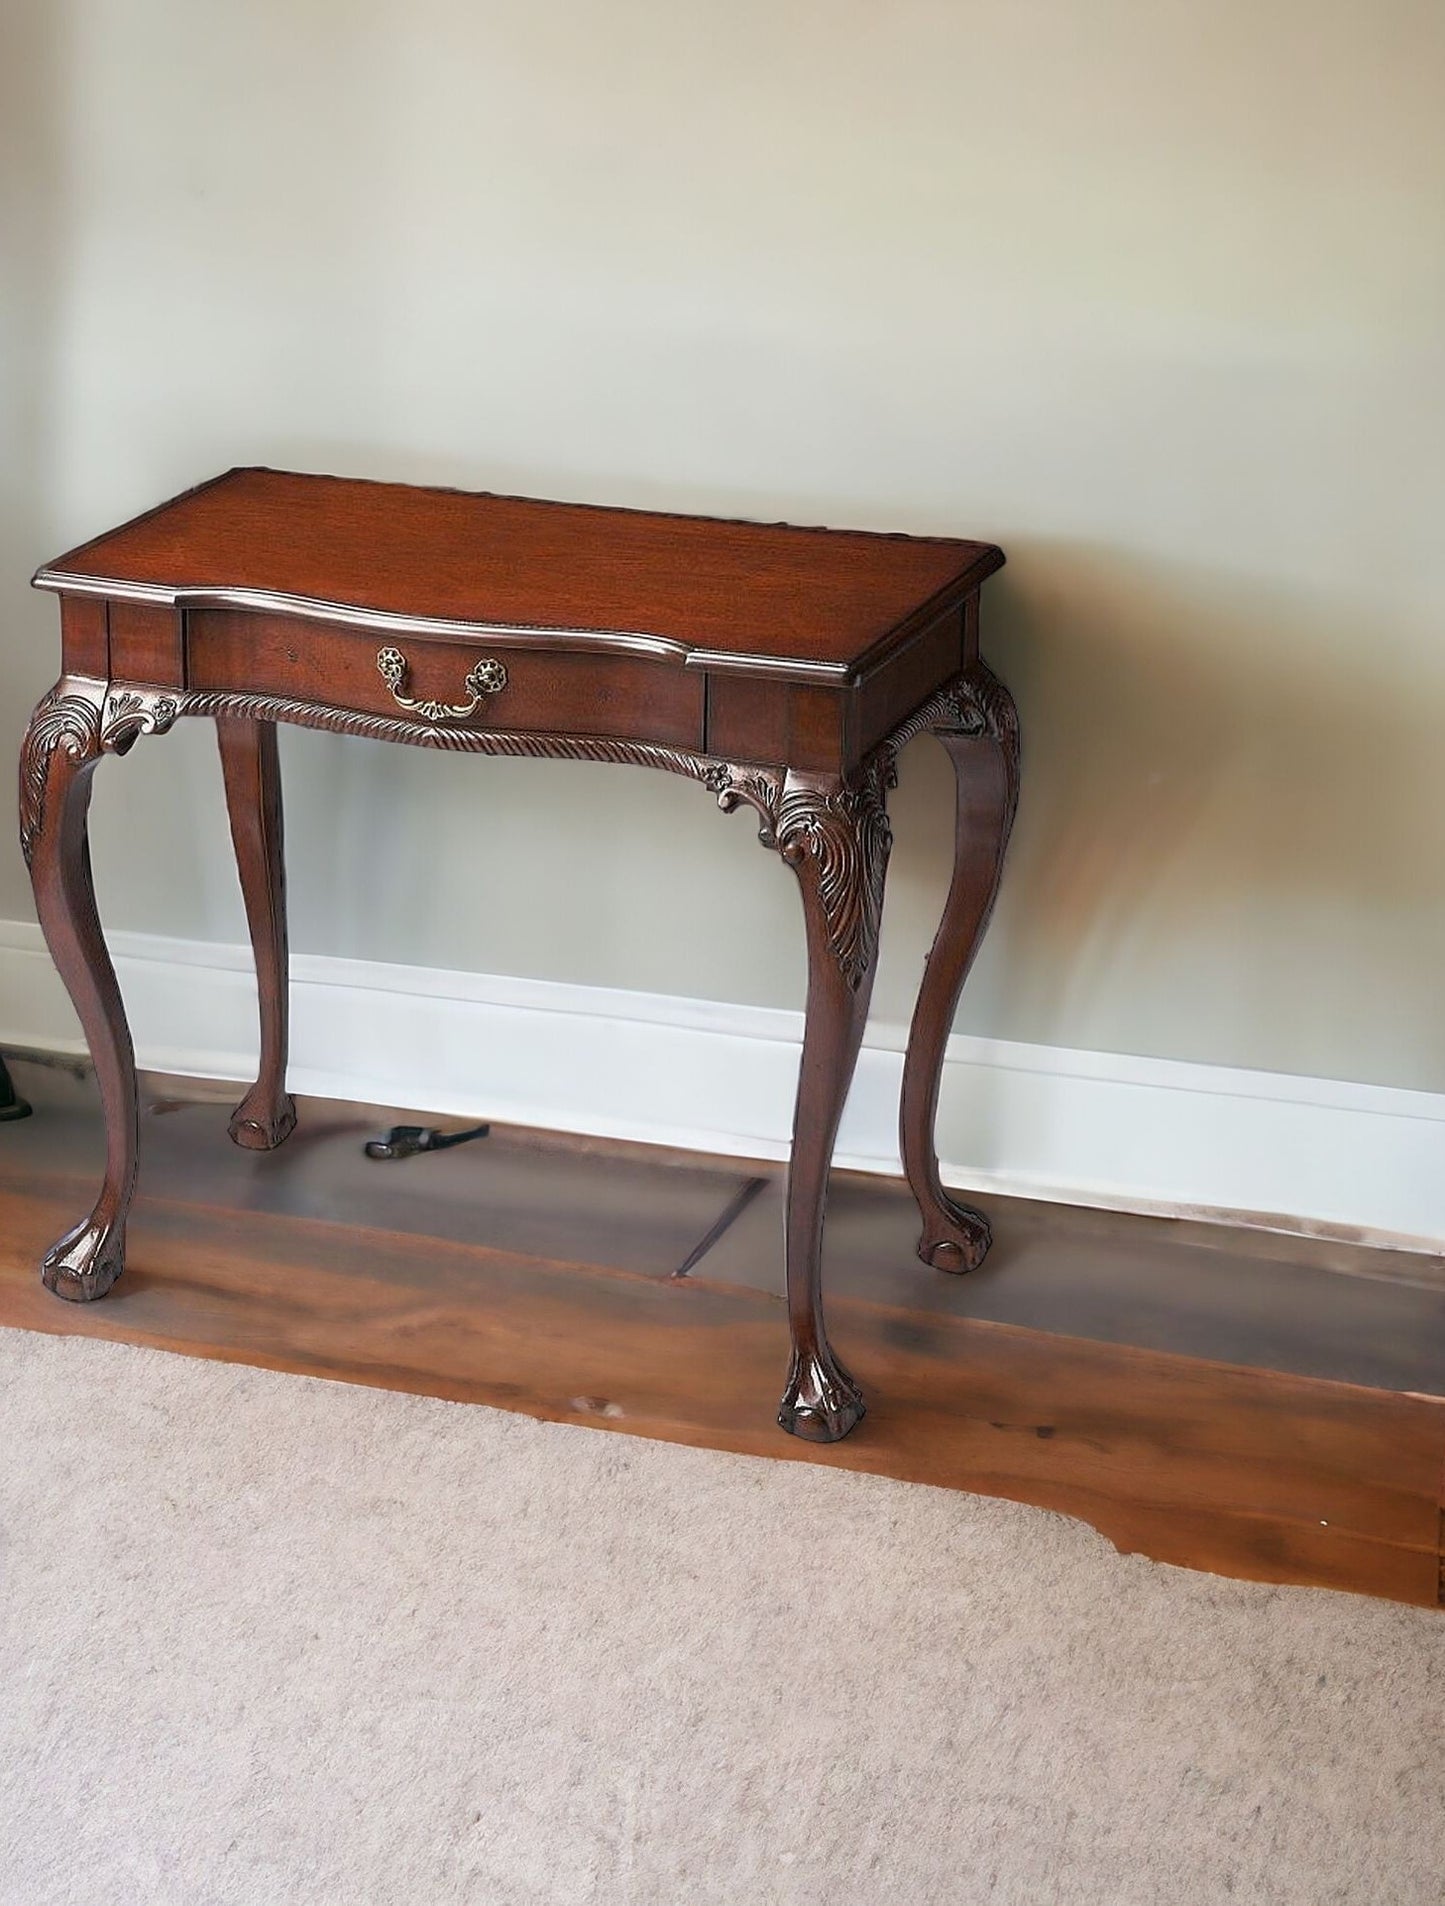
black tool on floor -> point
(11, 1103)
(404, 1140)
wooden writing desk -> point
(782, 668)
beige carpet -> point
(267, 1639)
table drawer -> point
(546, 691)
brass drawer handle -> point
(486, 677)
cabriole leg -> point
(984, 751)
(58, 757)
(251, 766)
(835, 836)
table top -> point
(813, 603)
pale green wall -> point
(1152, 294)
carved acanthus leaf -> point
(841, 827)
(83, 726)
(973, 703)
(843, 830)
(64, 721)
(133, 712)
(983, 706)
(758, 788)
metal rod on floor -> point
(734, 1209)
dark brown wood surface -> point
(541, 1275)
(821, 1400)
(783, 669)
(251, 767)
(955, 1236)
(578, 694)
(832, 597)
(58, 759)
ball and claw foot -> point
(260, 1125)
(821, 1402)
(85, 1263)
(956, 1239)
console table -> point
(781, 668)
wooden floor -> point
(1261, 1406)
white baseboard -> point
(1314, 1155)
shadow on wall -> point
(1212, 795)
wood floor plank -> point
(1228, 1295)
(1269, 1477)
(622, 1208)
